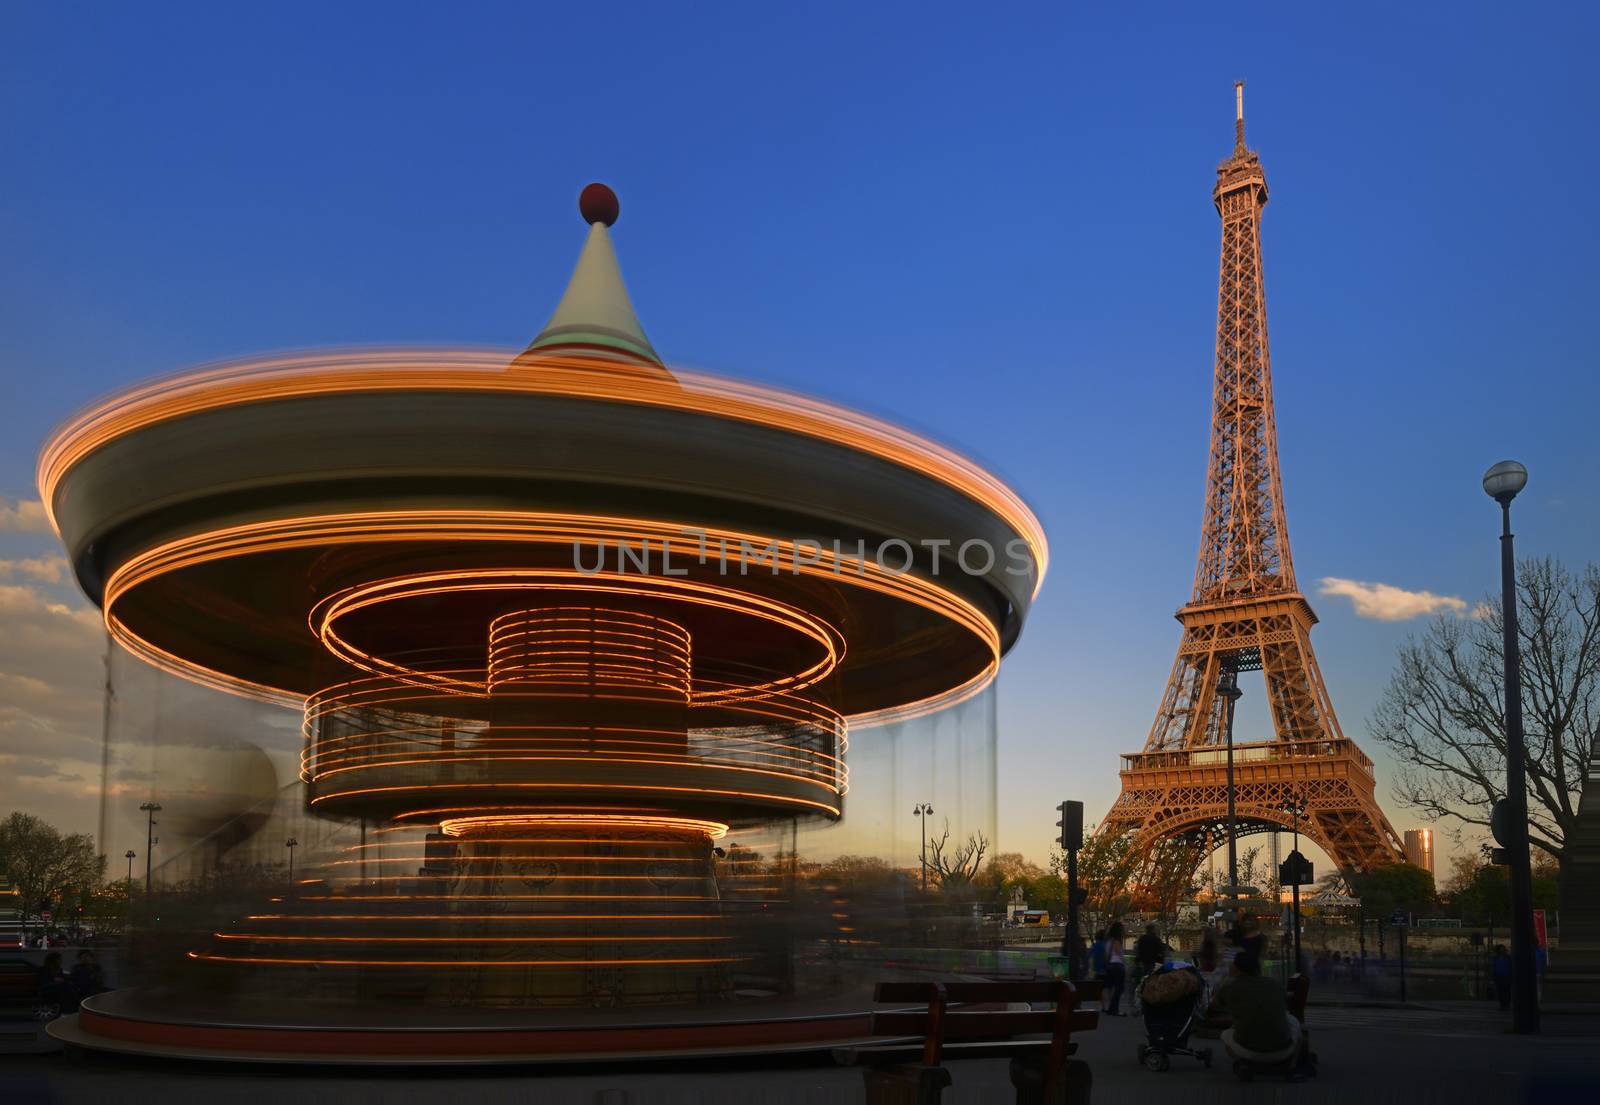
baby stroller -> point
(1173, 998)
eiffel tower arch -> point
(1247, 613)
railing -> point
(1256, 752)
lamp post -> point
(1228, 688)
(1295, 806)
(291, 844)
(1501, 483)
(921, 812)
(129, 854)
(150, 809)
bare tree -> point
(1253, 870)
(1443, 713)
(963, 860)
(1108, 872)
(1168, 874)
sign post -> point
(1399, 921)
(1296, 871)
(1071, 826)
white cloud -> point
(1388, 603)
(23, 516)
(51, 700)
(46, 569)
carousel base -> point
(136, 1023)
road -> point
(1445, 1053)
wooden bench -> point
(906, 1069)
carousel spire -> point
(595, 312)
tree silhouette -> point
(1443, 712)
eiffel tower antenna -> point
(1246, 612)
(1238, 117)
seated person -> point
(55, 989)
(1262, 1029)
(87, 978)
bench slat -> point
(1037, 990)
(966, 1025)
(876, 1054)
(1041, 990)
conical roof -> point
(595, 314)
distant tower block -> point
(1419, 849)
(1247, 613)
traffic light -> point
(1071, 825)
(1078, 895)
(1295, 871)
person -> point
(1097, 955)
(1261, 1029)
(1232, 944)
(1500, 972)
(55, 990)
(87, 978)
(1116, 970)
(1252, 939)
(1149, 952)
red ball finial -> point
(598, 204)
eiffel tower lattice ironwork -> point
(1247, 613)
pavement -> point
(1451, 1053)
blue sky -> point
(991, 223)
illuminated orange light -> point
(485, 371)
(459, 826)
(515, 876)
(301, 939)
(402, 918)
(509, 526)
(575, 964)
(457, 861)
(783, 800)
(326, 756)
(503, 898)
(326, 614)
(708, 765)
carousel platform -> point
(134, 1022)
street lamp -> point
(150, 809)
(1501, 483)
(1295, 807)
(129, 854)
(1228, 688)
(922, 811)
(291, 844)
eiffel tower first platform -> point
(1247, 613)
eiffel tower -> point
(1247, 613)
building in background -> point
(1419, 849)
